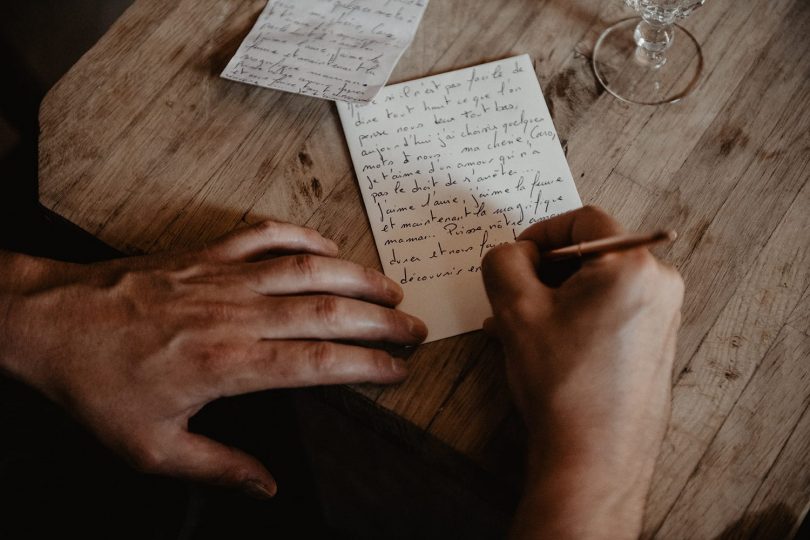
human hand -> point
(135, 347)
(589, 363)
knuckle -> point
(211, 360)
(306, 266)
(197, 270)
(274, 357)
(327, 309)
(323, 356)
(265, 230)
(222, 312)
(136, 282)
(148, 458)
(267, 226)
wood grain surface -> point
(144, 146)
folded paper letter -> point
(330, 49)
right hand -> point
(588, 360)
(135, 347)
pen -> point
(609, 244)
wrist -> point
(580, 493)
(21, 276)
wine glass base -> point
(626, 77)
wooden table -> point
(144, 146)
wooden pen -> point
(609, 244)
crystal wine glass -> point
(650, 60)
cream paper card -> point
(450, 166)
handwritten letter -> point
(449, 167)
(333, 49)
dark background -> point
(55, 479)
(40, 40)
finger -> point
(290, 364)
(296, 274)
(581, 225)
(198, 458)
(250, 242)
(334, 317)
(510, 273)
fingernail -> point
(417, 328)
(333, 245)
(259, 490)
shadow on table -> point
(773, 523)
(56, 480)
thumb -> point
(201, 459)
(510, 273)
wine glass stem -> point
(653, 38)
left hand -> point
(135, 347)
